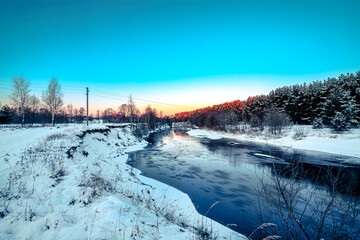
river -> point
(231, 174)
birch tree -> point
(20, 95)
(131, 107)
(53, 98)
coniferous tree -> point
(338, 123)
(6, 114)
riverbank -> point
(299, 137)
(72, 182)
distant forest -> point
(334, 102)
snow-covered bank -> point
(299, 137)
(73, 182)
(204, 133)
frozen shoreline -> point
(322, 140)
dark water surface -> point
(231, 171)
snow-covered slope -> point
(73, 183)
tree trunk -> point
(32, 118)
(52, 118)
(23, 118)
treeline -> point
(334, 103)
(27, 109)
(11, 115)
(129, 113)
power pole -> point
(87, 106)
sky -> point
(176, 55)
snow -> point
(263, 155)
(323, 140)
(57, 185)
(204, 134)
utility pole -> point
(87, 106)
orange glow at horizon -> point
(174, 104)
(166, 110)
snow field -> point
(57, 185)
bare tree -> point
(76, 113)
(98, 114)
(123, 109)
(108, 115)
(131, 108)
(70, 111)
(53, 98)
(20, 95)
(34, 104)
(150, 116)
(82, 114)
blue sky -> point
(189, 53)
